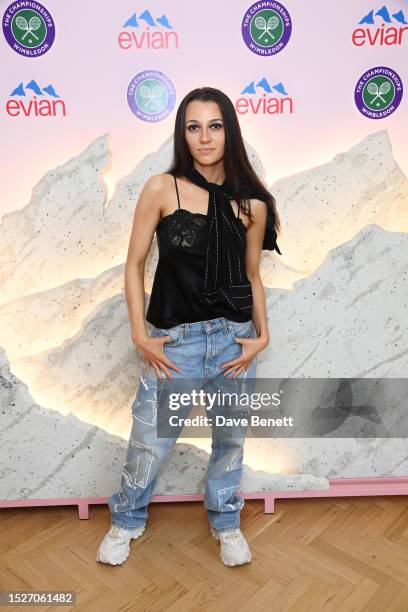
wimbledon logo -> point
(378, 92)
(266, 28)
(28, 28)
(151, 95)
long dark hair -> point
(237, 167)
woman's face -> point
(204, 132)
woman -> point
(207, 309)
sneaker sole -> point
(236, 562)
(120, 560)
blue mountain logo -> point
(34, 88)
(147, 19)
(384, 14)
(31, 100)
(264, 84)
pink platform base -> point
(338, 487)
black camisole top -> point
(176, 289)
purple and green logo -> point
(151, 95)
(266, 28)
(378, 92)
(28, 28)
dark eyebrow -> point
(196, 120)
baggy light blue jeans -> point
(198, 349)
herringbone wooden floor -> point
(338, 554)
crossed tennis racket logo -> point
(151, 96)
(378, 92)
(266, 25)
(33, 24)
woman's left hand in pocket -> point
(250, 347)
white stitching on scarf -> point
(229, 266)
(208, 246)
(228, 299)
(233, 227)
(239, 267)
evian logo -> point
(32, 100)
(145, 32)
(380, 28)
(263, 99)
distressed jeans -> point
(198, 349)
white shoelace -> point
(114, 532)
(233, 535)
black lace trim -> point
(182, 229)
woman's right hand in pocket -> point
(151, 349)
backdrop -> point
(89, 92)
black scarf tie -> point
(225, 281)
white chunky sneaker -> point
(234, 547)
(115, 546)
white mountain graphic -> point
(82, 460)
(336, 303)
(329, 325)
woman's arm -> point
(254, 239)
(146, 217)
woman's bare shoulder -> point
(158, 182)
(156, 193)
(258, 207)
